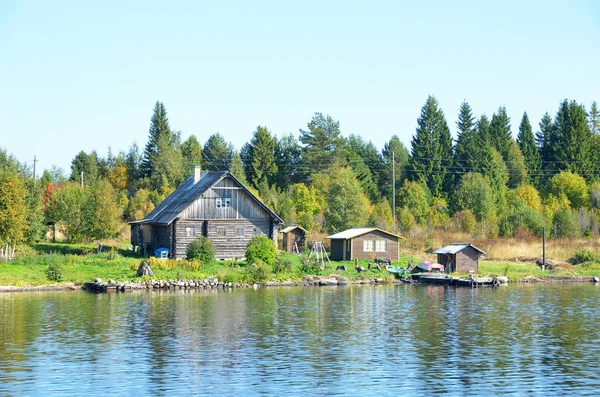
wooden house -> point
(459, 257)
(211, 204)
(293, 238)
(364, 243)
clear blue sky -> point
(84, 75)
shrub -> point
(201, 249)
(55, 272)
(282, 266)
(310, 267)
(564, 224)
(465, 221)
(261, 248)
(585, 256)
(259, 272)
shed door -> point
(348, 254)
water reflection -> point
(376, 340)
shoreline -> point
(214, 284)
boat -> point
(433, 278)
(429, 266)
(398, 272)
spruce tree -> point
(191, 153)
(159, 126)
(466, 150)
(500, 133)
(262, 155)
(287, 154)
(573, 140)
(237, 168)
(594, 119)
(431, 149)
(396, 149)
(528, 147)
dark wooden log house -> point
(212, 204)
(293, 237)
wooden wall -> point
(467, 259)
(391, 248)
(243, 206)
(296, 235)
(337, 250)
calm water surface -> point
(356, 340)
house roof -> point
(457, 247)
(188, 192)
(358, 231)
(292, 227)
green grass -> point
(81, 264)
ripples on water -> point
(367, 340)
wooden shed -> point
(293, 238)
(459, 257)
(364, 243)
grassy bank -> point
(81, 263)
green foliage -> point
(345, 205)
(191, 153)
(262, 156)
(517, 169)
(159, 130)
(465, 221)
(395, 159)
(572, 186)
(475, 194)
(500, 133)
(201, 249)
(55, 272)
(259, 271)
(583, 256)
(287, 154)
(283, 265)
(13, 209)
(237, 168)
(564, 223)
(217, 153)
(323, 144)
(406, 219)
(261, 249)
(530, 151)
(521, 216)
(415, 198)
(467, 151)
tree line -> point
(484, 181)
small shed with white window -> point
(364, 243)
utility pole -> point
(394, 188)
(34, 164)
(81, 179)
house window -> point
(380, 246)
(239, 231)
(368, 245)
(223, 202)
(221, 232)
(190, 231)
(256, 231)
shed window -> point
(190, 231)
(380, 246)
(368, 245)
(239, 231)
(221, 232)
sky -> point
(85, 75)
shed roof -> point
(187, 193)
(292, 227)
(358, 231)
(457, 247)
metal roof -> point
(358, 231)
(290, 228)
(456, 247)
(187, 193)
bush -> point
(259, 272)
(201, 249)
(585, 256)
(564, 224)
(261, 248)
(55, 272)
(282, 266)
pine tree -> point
(431, 149)
(500, 133)
(467, 148)
(262, 155)
(159, 126)
(594, 119)
(217, 153)
(323, 145)
(528, 147)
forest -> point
(483, 182)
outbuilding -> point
(293, 238)
(459, 257)
(364, 243)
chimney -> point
(197, 173)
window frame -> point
(221, 231)
(378, 244)
(190, 231)
(237, 229)
(368, 246)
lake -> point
(352, 340)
